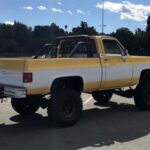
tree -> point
(126, 37)
(23, 37)
(148, 24)
(41, 35)
(45, 34)
(140, 40)
(7, 42)
(147, 36)
(84, 29)
(66, 27)
(56, 31)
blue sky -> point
(131, 14)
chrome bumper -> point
(13, 92)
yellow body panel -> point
(36, 91)
(112, 84)
(16, 64)
(60, 63)
(91, 86)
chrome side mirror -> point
(124, 52)
(124, 58)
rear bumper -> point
(13, 92)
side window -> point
(81, 51)
(77, 48)
(66, 47)
(112, 47)
(86, 50)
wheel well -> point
(74, 82)
(145, 75)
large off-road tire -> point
(24, 106)
(102, 96)
(142, 96)
(65, 108)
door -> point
(81, 59)
(118, 66)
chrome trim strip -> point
(14, 92)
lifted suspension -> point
(129, 93)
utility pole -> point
(102, 16)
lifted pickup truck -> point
(99, 65)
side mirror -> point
(124, 55)
(124, 58)
(125, 52)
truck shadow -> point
(98, 127)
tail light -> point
(27, 77)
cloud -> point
(57, 10)
(28, 8)
(127, 10)
(80, 11)
(59, 3)
(70, 12)
(9, 22)
(41, 7)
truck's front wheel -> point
(65, 107)
(142, 96)
(102, 96)
(24, 106)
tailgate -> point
(11, 71)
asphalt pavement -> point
(115, 126)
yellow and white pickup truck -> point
(99, 65)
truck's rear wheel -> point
(102, 96)
(142, 96)
(65, 108)
(24, 106)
